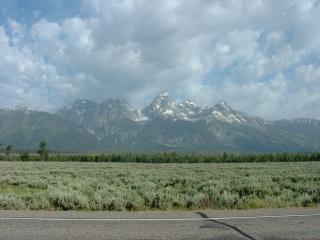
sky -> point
(260, 56)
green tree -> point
(43, 151)
(1, 151)
(24, 156)
(8, 151)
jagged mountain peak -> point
(223, 105)
(163, 95)
(222, 111)
(80, 104)
(162, 99)
(84, 111)
(189, 103)
(162, 105)
(115, 103)
(77, 110)
(117, 109)
(113, 124)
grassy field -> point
(142, 186)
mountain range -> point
(163, 125)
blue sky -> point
(261, 56)
(30, 11)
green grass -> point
(142, 186)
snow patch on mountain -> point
(223, 112)
(161, 107)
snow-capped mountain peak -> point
(222, 111)
(162, 100)
(162, 105)
(189, 110)
(189, 104)
(120, 108)
(87, 126)
(223, 106)
(163, 95)
(78, 109)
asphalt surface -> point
(269, 224)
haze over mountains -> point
(163, 125)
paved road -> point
(269, 224)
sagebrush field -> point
(142, 186)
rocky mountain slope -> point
(24, 129)
(163, 125)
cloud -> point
(26, 78)
(261, 56)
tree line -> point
(165, 157)
(43, 153)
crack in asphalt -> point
(203, 215)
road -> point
(269, 224)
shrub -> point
(133, 186)
(67, 199)
(11, 201)
(104, 199)
(229, 200)
(202, 201)
(305, 200)
(36, 201)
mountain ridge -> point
(164, 106)
(163, 125)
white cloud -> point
(44, 31)
(252, 54)
(27, 79)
